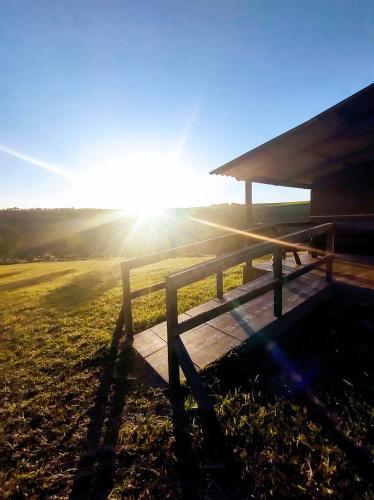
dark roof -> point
(340, 138)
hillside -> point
(70, 233)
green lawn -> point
(81, 415)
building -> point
(331, 154)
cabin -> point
(331, 154)
(287, 268)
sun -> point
(146, 184)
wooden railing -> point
(128, 265)
(177, 354)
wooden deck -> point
(217, 337)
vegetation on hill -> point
(82, 417)
(69, 233)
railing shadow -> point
(355, 452)
(332, 424)
(37, 280)
(94, 476)
(214, 462)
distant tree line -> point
(82, 233)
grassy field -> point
(81, 416)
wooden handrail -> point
(205, 269)
(128, 265)
(201, 271)
(173, 252)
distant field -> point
(91, 233)
(78, 413)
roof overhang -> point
(338, 139)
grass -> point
(81, 417)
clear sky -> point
(125, 104)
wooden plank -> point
(161, 328)
(207, 343)
(148, 289)
(147, 342)
(223, 308)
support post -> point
(277, 268)
(248, 204)
(126, 299)
(248, 268)
(330, 249)
(219, 281)
(172, 322)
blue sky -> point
(137, 101)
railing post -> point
(330, 249)
(247, 271)
(277, 268)
(126, 298)
(219, 281)
(172, 322)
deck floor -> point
(217, 337)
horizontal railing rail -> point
(205, 269)
(201, 271)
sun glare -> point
(144, 184)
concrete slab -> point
(147, 342)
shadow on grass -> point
(8, 275)
(44, 278)
(214, 463)
(94, 477)
(81, 290)
(327, 345)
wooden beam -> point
(219, 282)
(146, 260)
(296, 257)
(248, 204)
(147, 289)
(248, 267)
(126, 298)
(205, 269)
(172, 322)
